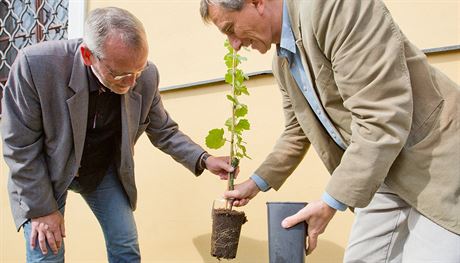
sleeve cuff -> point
(263, 186)
(199, 169)
(332, 202)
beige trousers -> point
(389, 230)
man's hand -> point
(49, 228)
(220, 166)
(242, 193)
(317, 214)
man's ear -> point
(86, 55)
(259, 5)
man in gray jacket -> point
(72, 112)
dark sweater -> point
(103, 135)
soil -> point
(226, 228)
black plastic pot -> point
(285, 245)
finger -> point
(237, 171)
(241, 202)
(312, 242)
(42, 242)
(244, 201)
(227, 167)
(236, 203)
(51, 241)
(58, 238)
(293, 220)
(233, 194)
(306, 245)
(33, 236)
(62, 228)
(223, 173)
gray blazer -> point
(45, 108)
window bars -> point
(26, 22)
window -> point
(26, 22)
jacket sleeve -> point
(291, 146)
(164, 133)
(23, 141)
(366, 51)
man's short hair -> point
(232, 5)
(104, 22)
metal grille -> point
(26, 22)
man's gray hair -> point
(103, 22)
(231, 5)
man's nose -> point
(130, 81)
(235, 42)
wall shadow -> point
(256, 251)
(249, 250)
(326, 252)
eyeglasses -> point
(123, 76)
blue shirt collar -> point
(287, 42)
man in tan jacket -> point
(384, 122)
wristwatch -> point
(203, 159)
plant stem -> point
(231, 176)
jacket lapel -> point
(78, 104)
(326, 148)
(130, 115)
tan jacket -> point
(399, 115)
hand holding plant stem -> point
(236, 124)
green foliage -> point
(215, 138)
(237, 123)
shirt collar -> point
(94, 84)
(287, 43)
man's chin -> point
(261, 49)
(120, 90)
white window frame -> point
(77, 15)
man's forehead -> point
(218, 11)
(219, 15)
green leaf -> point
(232, 99)
(229, 78)
(228, 60)
(243, 124)
(215, 138)
(241, 89)
(241, 58)
(243, 149)
(241, 110)
(228, 123)
(244, 90)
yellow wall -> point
(186, 50)
(173, 215)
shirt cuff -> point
(199, 169)
(263, 186)
(332, 202)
